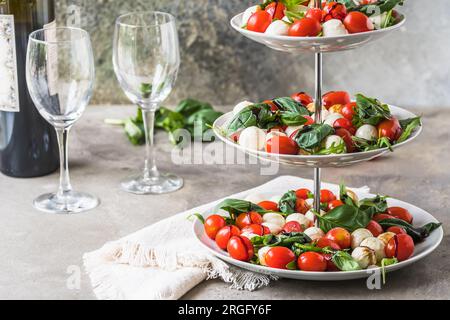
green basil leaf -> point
(245, 119)
(373, 206)
(345, 262)
(289, 104)
(417, 233)
(409, 125)
(289, 118)
(346, 216)
(370, 111)
(188, 107)
(311, 137)
(288, 202)
(236, 207)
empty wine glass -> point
(146, 60)
(60, 78)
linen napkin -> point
(165, 260)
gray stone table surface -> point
(37, 249)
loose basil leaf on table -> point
(200, 122)
(408, 126)
(370, 111)
(288, 202)
(312, 136)
(189, 107)
(417, 233)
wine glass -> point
(60, 78)
(146, 60)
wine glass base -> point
(70, 203)
(164, 183)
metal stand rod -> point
(318, 119)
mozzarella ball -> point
(255, 198)
(253, 138)
(300, 218)
(290, 131)
(248, 13)
(333, 140)
(376, 245)
(273, 134)
(386, 237)
(331, 119)
(359, 236)
(273, 227)
(334, 27)
(241, 106)
(249, 235)
(367, 132)
(314, 233)
(274, 221)
(262, 255)
(364, 256)
(353, 196)
(278, 28)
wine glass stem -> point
(150, 169)
(64, 178)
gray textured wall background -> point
(410, 68)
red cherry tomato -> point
(382, 216)
(331, 267)
(314, 13)
(349, 110)
(279, 257)
(333, 98)
(327, 196)
(305, 27)
(347, 137)
(282, 145)
(401, 246)
(257, 229)
(240, 248)
(276, 10)
(302, 98)
(356, 22)
(246, 219)
(401, 213)
(334, 10)
(224, 235)
(390, 129)
(259, 21)
(344, 123)
(213, 224)
(312, 261)
(397, 230)
(375, 228)
(309, 121)
(303, 194)
(273, 106)
(341, 236)
(235, 136)
(301, 206)
(334, 204)
(293, 226)
(327, 243)
(269, 206)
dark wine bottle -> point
(28, 143)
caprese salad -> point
(286, 125)
(299, 18)
(285, 233)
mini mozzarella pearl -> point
(333, 140)
(241, 106)
(364, 256)
(262, 255)
(255, 198)
(334, 27)
(273, 227)
(290, 131)
(377, 246)
(386, 237)
(300, 218)
(274, 218)
(273, 134)
(367, 132)
(359, 236)
(331, 119)
(314, 233)
(278, 28)
(253, 138)
(248, 13)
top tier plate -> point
(314, 44)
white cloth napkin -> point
(165, 260)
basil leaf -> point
(283, 240)
(245, 119)
(289, 104)
(344, 197)
(346, 216)
(345, 262)
(374, 205)
(288, 202)
(265, 117)
(370, 111)
(417, 233)
(235, 207)
(409, 125)
(134, 131)
(201, 121)
(292, 119)
(379, 7)
(311, 137)
(188, 107)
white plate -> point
(423, 249)
(318, 161)
(314, 44)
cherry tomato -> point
(334, 204)
(224, 235)
(279, 257)
(235, 136)
(401, 246)
(213, 224)
(382, 216)
(303, 194)
(259, 21)
(330, 264)
(335, 97)
(257, 229)
(312, 261)
(327, 243)
(305, 27)
(269, 206)
(302, 98)
(276, 10)
(246, 219)
(349, 111)
(309, 121)
(240, 248)
(390, 129)
(301, 206)
(345, 124)
(347, 137)
(375, 228)
(401, 213)
(314, 13)
(273, 106)
(397, 230)
(293, 226)
(341, 236)
(327, 196)
(356, 22)
(282, 145)
(334, 10)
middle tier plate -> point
(318, 161)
